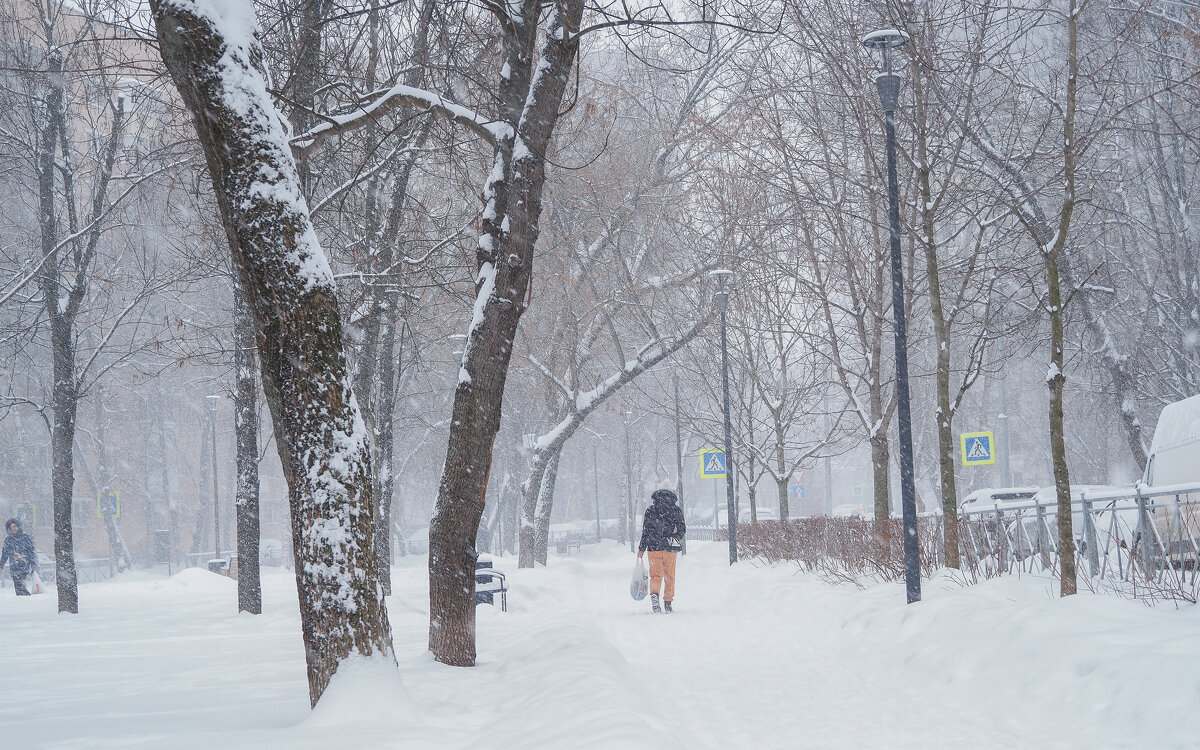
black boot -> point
(667, 608)
(654, 603)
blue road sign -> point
(108, 505)
(712, 464)
(977, 448)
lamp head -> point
(885, 40)
(722, 277)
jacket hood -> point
(664, 497)
(10, 522)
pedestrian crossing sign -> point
(108, 504)
(978, 448)
(712, 464)
(26, 513)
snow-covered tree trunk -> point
(533, 80)
(245, 417)
(65, 276)
(541, 530)
(213, 56)
(64, 403)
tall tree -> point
(539, 52)
(215, 60)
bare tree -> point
(537, 64)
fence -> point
(87, 570)
(1144, 539)
(1147, 535)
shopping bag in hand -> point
(33, 583)
(639, 585)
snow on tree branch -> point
(387, 101)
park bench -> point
(488, 583)
(572, 541)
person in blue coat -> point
(19, 554)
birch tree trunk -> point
(216, 62)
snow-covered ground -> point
(754, 657)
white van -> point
(1175, 460)
(993, 498)
(1175, 451)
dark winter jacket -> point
(18, 550)
(663, 523)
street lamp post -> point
(722, 277)
(888, 85)
(596, 488)
(627, 511)
(678, 456)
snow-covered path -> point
(755, 657)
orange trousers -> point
(662, 570)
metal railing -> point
(1144, 534)
(87, 570)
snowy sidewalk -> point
(755, 657)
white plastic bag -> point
(639, 585)
(33, 583)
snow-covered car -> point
(993, 498)
(763, 514)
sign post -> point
(712, 466)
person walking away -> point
(662, 536)
(19, 554)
